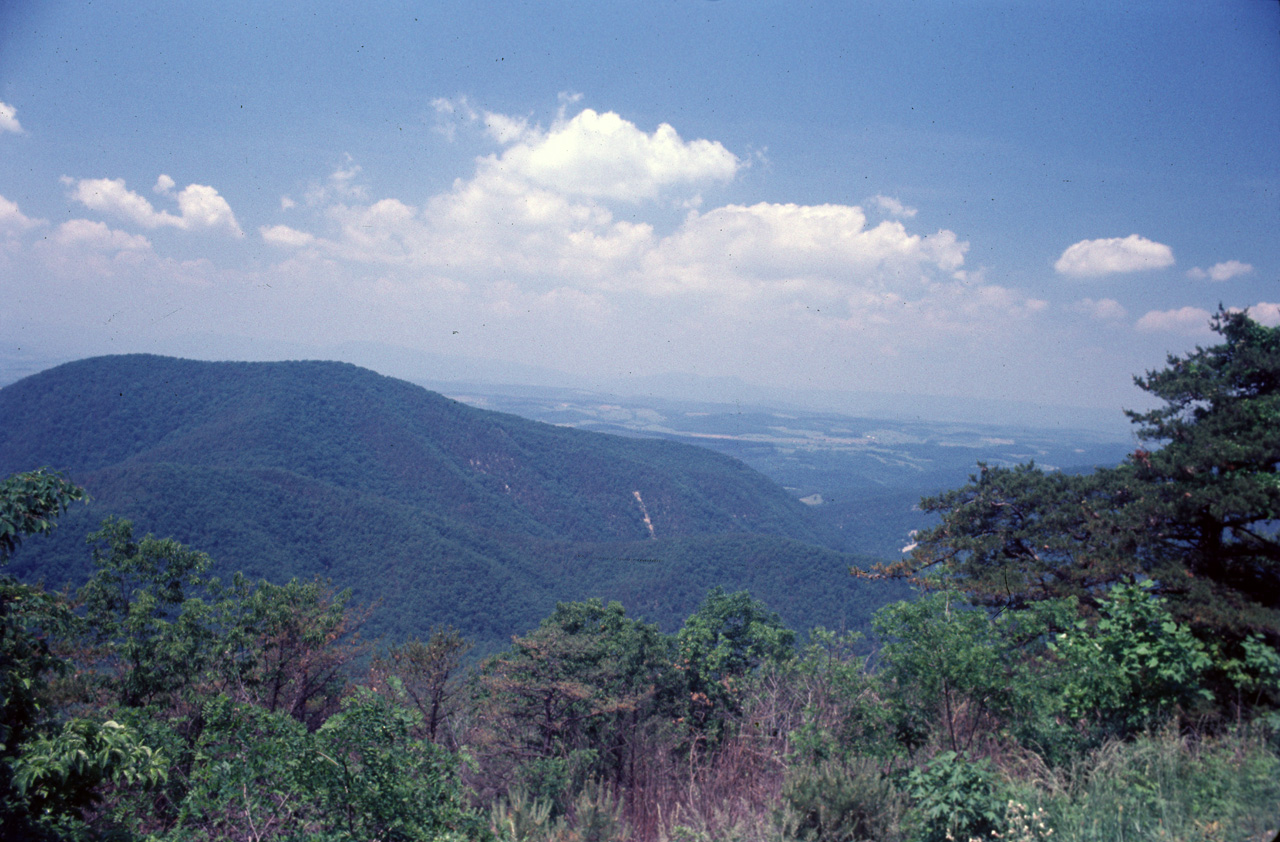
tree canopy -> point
(1194, 511)
(29, 504)
(160, 704)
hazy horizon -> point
(457, 376)
(996, 205)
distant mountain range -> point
(439, 511)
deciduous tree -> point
(718, 649)
(287, 648)
(145, 610)
(29, 504)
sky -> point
(1001, 201)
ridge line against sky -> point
(986, 199)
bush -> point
(953, 799)
(1135, 667)
(836, 802)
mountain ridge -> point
(311, 468)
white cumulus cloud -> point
(199, 206)
(604, 156)
(9, 119)
(449, 112)
(506, 129)
(533, 217)
(492, 225)
(283, 235)
(814, 247)
(86, 233)
(529, 231)
(1093, 258)
(202, 207)
(1266, 312)
(1224, 271)
(12, 219)
(1191, 321)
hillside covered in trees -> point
(438, 511)
(1090, 657)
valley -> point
(860, 476)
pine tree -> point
(1196, 514)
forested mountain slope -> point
(444, 512)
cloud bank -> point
(542, 215)
(85, 233)
(1189, 321)
(1194, 321)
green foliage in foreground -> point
(1029, 724)
(1135, 666)
(29, 504)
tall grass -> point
(1162, 787)
(1168, 787)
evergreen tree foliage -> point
(1210, 492)
(1196, 514)
(567, 701)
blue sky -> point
(1002, 200)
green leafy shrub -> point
(953, 798)
(245, 772)
(721, 644)
(944, 669)
(1134, 667)
(1255, 676)
(842, 715)
(372, 780)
